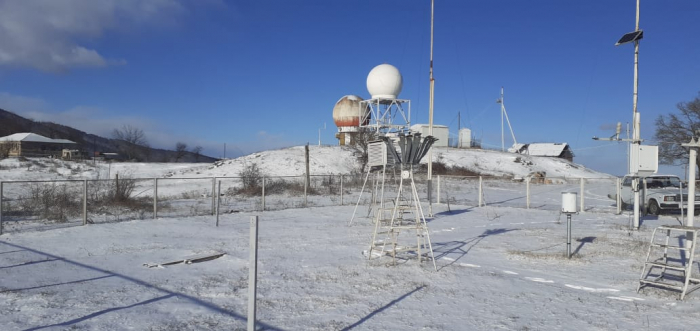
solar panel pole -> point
(636, 135)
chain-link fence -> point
(51, 204)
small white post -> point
(253, 272)
(1, 207)
(481, 195)
(527, 192)
(1, 225)
(341, 190)
(213, 195)
(581, 207)
(438, 189)
(85, 194)
(691, 185)
(263, 193)
(155, 198)
(218, 203)
(306, 185)
(636, 183)
(618, 195)
(568, 235)
(692, 147)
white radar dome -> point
(384, 82)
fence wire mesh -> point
(52, 204)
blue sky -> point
(266, 74)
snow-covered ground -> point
(500, 266)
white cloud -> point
(54, 35)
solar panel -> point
(630, 37)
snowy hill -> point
(323, 160)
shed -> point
(559, 150)
(441, 132)
(32, 144)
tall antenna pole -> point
(430, 111)
(636, 135)
(635, 126)
(503, 141)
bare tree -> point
(180, 151)
(360, 143)
(676, 129)
(132, 138)
(197, 151)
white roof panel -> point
(33, 137)
(546, 149)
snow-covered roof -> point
(539, 149)
(546, 149)
(33, 137)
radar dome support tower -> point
(384, 112)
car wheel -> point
(653, 208)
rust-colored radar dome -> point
(347, 111)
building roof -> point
(540, 149)
(418, 127)
(33, 137)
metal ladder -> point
(682, 279)
(405, 214)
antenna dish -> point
(384, 82)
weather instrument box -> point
(568, 203)
(378, 155)
(644, 159)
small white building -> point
(441, 132)
(465, 138)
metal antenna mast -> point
(430, 112)
(505, 113)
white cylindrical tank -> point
(384, 82)
(568, 202)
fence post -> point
(1, 207)
(306, 185)
(213, 195)
(481, 195)
(438, 189)
(263, 193)
(155, 198)
(253, 272)
(341, 190)
(218, 203)
(527, 192)
(85, 193)
(618, 192)
(582, 202)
